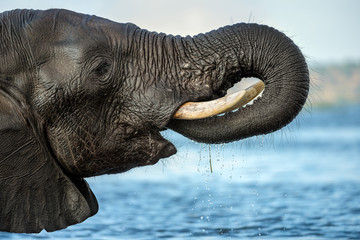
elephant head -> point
(82, 96)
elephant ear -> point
(35, 193)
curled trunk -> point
(248, 50)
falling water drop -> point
(210, 159)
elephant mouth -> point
(228, 103)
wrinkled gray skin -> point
(82, 96)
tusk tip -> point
(258, 86)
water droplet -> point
(209, 147)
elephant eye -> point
(102, 69)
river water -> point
(302, 182)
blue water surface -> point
(302, 182)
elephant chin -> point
(167, 150)
(228, 103)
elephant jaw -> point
(228, 103)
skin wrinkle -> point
(169, 65)
(145, 82)
(200, 71)
(108, 112)
(25, 175)
(222, 43)
(87, 141)
(177, 53)
(190, 70)
(60, 152)
(54, 22)
(15, 151)
(143, 44)
(138, 85)
(151, 61)
(166, 59)
(191, 48)
(176, 59)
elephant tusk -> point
(199, 110)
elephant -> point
(82, 96)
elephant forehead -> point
(69, 27)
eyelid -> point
(102, 68)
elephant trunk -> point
(235, 52)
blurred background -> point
(301, 182)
